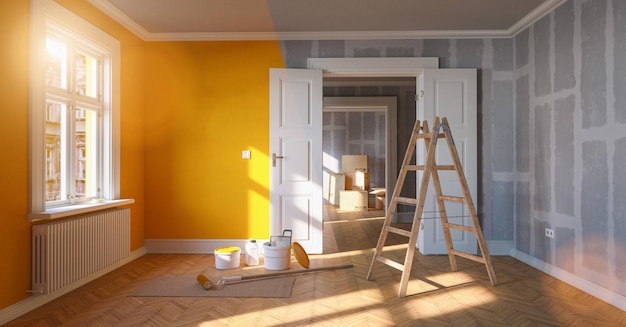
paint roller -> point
(207, 284)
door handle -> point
(274, 157)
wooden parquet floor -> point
(436, 296)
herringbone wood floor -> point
(437, 296)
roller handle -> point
(284, 273)
(231, 278)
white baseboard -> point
(199, 246)
(584, 285)
(25, 306)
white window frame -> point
(45, 13)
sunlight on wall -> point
(258, 195)
(331, 165)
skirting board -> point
(25, 306)
(199, 246)
(586, 286)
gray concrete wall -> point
(570, 141)
(355, 132)
(494, 59)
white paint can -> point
(227, 257)
(276, 257)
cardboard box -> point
(361, 180)
(337, 183)
(379, 198)
(349, 180)
(353, 200)
(357, 180)
(352, 163)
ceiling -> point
(323, 19)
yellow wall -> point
(206, 102)
(14, 98)
(14, 230)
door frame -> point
(389, 106)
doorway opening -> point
(361, 117)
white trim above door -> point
(373, 67)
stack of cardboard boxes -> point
(350, 189)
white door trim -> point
(373, 67)
(389, 105)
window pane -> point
(86, 152)
(86, 75)
(55, 138)
(56, 63)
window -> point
(74, 110)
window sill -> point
(77, 209)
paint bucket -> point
(227, 257)
(276, 257)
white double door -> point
(449, 93)
(296, 151)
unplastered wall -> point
(207, 101)
(358, 133)
(570, 82)
(494, 60)
(354, 133)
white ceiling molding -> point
(138, 30)
(121, 18)
(535, 15)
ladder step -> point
(400, 231)
(390, 263)
(452, 198)
(468, 256)
(422, 167)
(404, 200)
(461, 227)
(430, 135)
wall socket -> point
(549, 233)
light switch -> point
(245, 154)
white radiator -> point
(67, 251)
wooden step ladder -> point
(430, 169)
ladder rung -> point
(452, 198)
(461, 227)
(414, 167)
(399, 231)
(390, 263)
(406, 200)
(422, 167)
(430, 135)
(468, 256)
